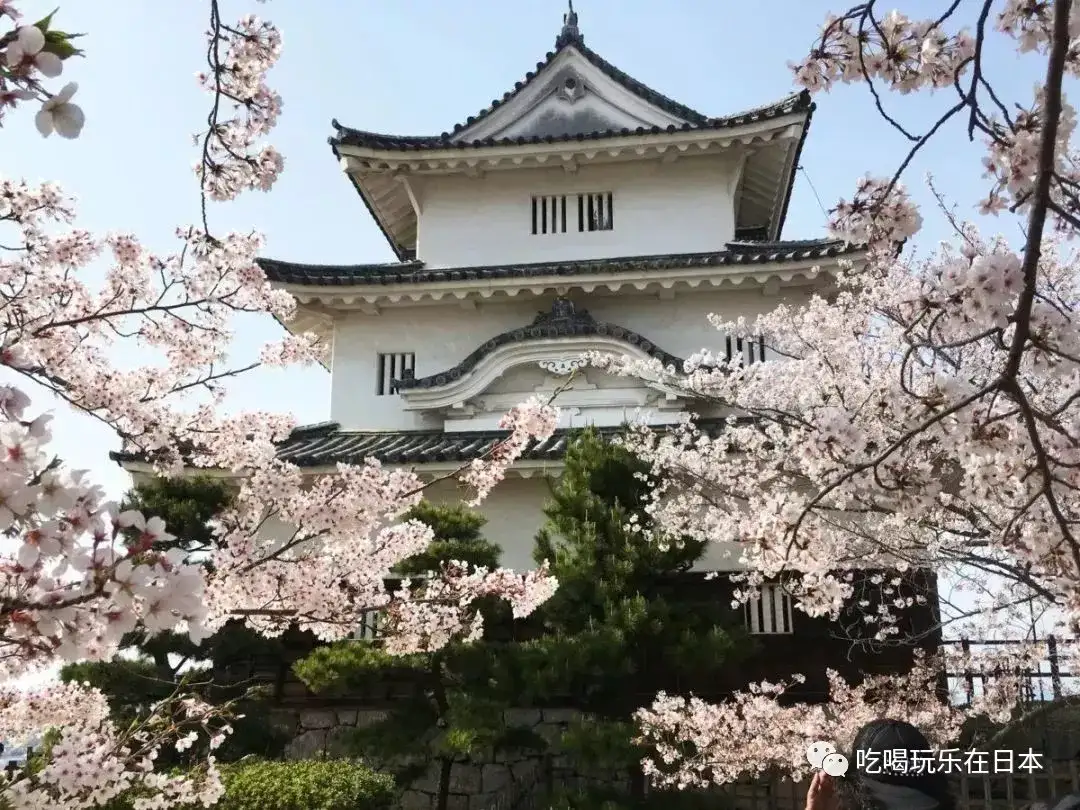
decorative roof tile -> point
(347, 136)
(562, 321)
(325, 444)
(414, 272)
(329, 445)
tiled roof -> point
(562, 321)
(326, 444)
(570, 37)
(414, 272)
(347, 136)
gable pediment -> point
(569, 96)
(554, 343)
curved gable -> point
(558, 335)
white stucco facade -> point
(441, 336)
(685, 206)
(582, 212)
(514, 513)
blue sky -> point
(417, 66)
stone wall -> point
(479, 783)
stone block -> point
(457, 801)
(314, 718)
(522, 717)
(415, 800)
(494, 777)
(337, 744)
(309, 745)
(521, 771)
(563, 716)
(465, 779)
(369, 717)
(551, 732)
(429, 780)
(346, 717)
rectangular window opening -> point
(595, 212)
(770, 612)
(392, 367)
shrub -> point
(336, 784)
(306, 785)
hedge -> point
(336, 784)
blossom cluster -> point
(231, 162)
(921, 416)
(532, 420)
(29, 54)
(697, 744)
(906, 54)
(92, 760)
(290, 550)
(73, 585)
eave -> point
(318, 449)
(370, 288)
(769, 141)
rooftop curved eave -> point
(415, 272)
(348, 136)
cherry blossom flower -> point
(27, 47)
(60, 115)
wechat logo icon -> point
(823, 756)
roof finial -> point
(570, 31)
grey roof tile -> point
(414, 272)
(330, 445)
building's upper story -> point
(579, 161)
(583, 211)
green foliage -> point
(458, 707)
(457, 537)
(618, 629)
(349, 666)
(600, 744)
(302, 785)
(57, 42)
(306, 785)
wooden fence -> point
(1047, 682)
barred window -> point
(393, 367)
(769, 613)
(557, 213)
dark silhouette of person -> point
(872, 784)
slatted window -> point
(393, 367)
(751, 350)
(596, 212)
(588, 212)
(549, 214)
(370, 622)
(770, 613)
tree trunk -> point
(446, 764)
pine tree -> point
(150, 669)
(459, 709)
(616, 631)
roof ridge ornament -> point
(570, 33)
